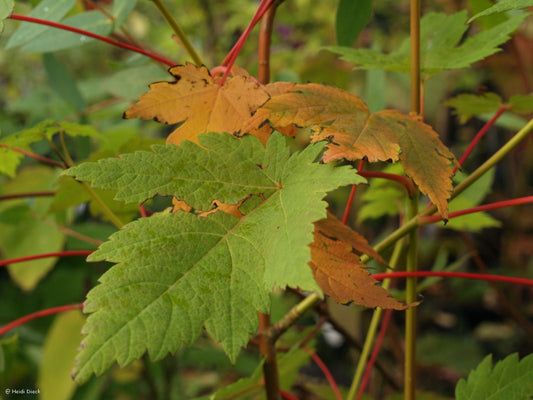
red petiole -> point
(38, 314)
(93, 35)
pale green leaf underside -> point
(178, 272)
(510, 378)
(49, 10)
(502, 6)
(439, 46)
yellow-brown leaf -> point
(354, 133)
(197, 100)
(333, 228)
(341, 275)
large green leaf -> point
(177, 272)
(502, 6)
(510, 378)
(6, 7)
(440, 46)
(54, 39)
(352, 16)
(49, 10)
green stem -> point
(415, 57)
(178, 31)
(267, 345)
(492, 161)
(372, 329)
(292, 316)
(410, 313)
(105, 209)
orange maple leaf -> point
(354, 133)
(201, 103)
(338, 271)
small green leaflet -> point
(177, 272)
(6, 7)
(470, 105)
(351, 18)
(502, 6)
(9, 159)
(521, 104)
(440, 48)
(510, 378)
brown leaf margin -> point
(338, 270)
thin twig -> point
(38, 314)
(37, 157)
(67, 253)
(178, 31)
(27, 194)
(448, 274)
(93, 35)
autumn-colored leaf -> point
(201, 103)
(333, 228)
(354, 133)
(341, 275)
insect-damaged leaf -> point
(178, 272)
(201, 103)
(353, 133)
(339, 272)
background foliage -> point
(57, 76)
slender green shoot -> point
(178, 31)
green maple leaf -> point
(439, 46)
(470, 105)
(502, 6)
(177, 272)
(509, 379)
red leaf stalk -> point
(325, 371)
(486, 207)
(462, 275)
(46, 255)
(234, 52)
(287, 395)
(37, 157)
(38, 314)
(27, 194)
(402, 180)
(375, 352)
(480, 134)
(93, 35)
(352, 195)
